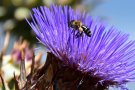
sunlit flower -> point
(102, 60)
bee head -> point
(71, 23)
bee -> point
(78, 25)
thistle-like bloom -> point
(104, 59)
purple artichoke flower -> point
(106, 58)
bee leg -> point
(81, 34)
(73, 31)
(77, 35)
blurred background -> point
(13, 27)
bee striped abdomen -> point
(86, 30)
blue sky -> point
(121, 14)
